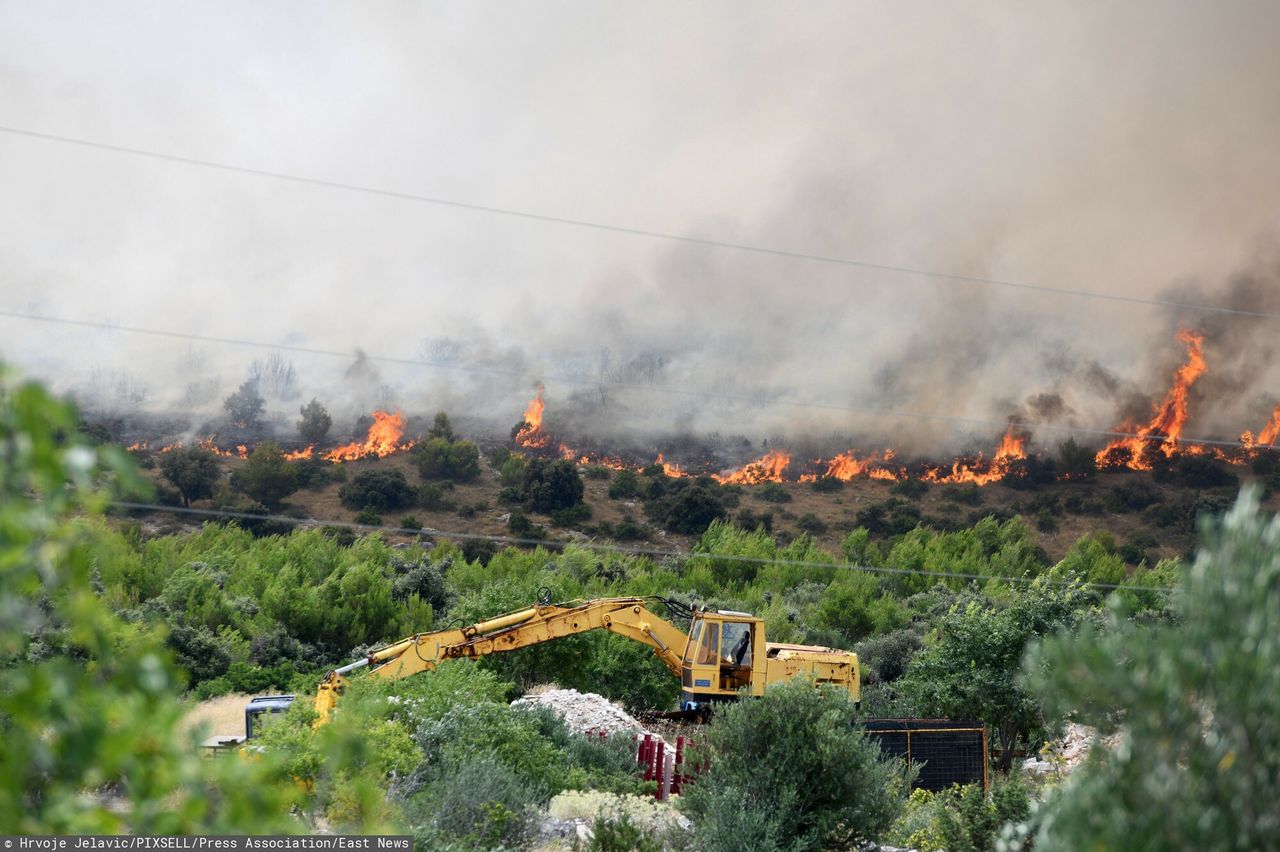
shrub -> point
(885, 658)
(380, 489)
(625, 485)
(774, 492)
(749, 520)
(811, 523)
(441, 458)
(1132, 496)
(689, 509)
(967, 494)
(551, 485)
(266, 477)
(245, 406)
(315, 473)
(315, 422)
(1198, 713)
(792, 769)
(369, 517)
(421, 578)
(410, 522)
(571, 517)
(431, 496)
(912, 489)
(1045, 521)
(597, 471)
(192, 470)
(1076, 461)
(628, 529)
(894, 516)
(827, 484)
(1203, 472)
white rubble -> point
(584, 712)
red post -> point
(678, 778)
(660, 767)
(646, 756)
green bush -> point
(774, 492)
(827, 484)
(441, 458)
(369, 517)
(687, 508)
(811, 523)
(912, 489)
(551, 485)
(382, 489)
(792, 770)
(625, 485)
(266, 477)
(1199, 763)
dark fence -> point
(949, 752)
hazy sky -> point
(1121, 148)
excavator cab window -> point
(706, 641)
(736, 642)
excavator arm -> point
(522, 628)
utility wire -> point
(614, 548)
(868, 410)
(631, 231)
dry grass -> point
(222, 716)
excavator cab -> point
(724, 654)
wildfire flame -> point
(1012, 448)
(208, 444)
(136, 446)
(298, 455)
(846, 466)
(1267, 437)
(767, 468)
(531, 434)
(382, 440)
(672, 470)
(1170, 416)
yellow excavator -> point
(723, 652)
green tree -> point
(792, 770)
(245, 406)
(441, 427)
(1198, 764)
(102, 712)
(315, 422)
(551, 485)
(1076, 461)
(441, 458)
(970, 670)
(192, 470)
(267, 477)
(379, 489)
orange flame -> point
(846, 466)
(382, 440)
(1169, 418)
(1012, 447)
(767, 468)
(208, 444)
(136, 446)
(298, 455)
(1267, 437)
(672, 470)
(531, 434)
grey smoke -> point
(1125, 149)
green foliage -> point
(625, 485)
(550, 485)
(443, 458)
(961, 819)
(382, 488)
(369, 517)
(441, 427)
(245, 406)
(1076, 461)
(773, 492)
(889, 517)
(96, 707)
(1199, 764)
(792, 770)
(827, 484)
(192, 470)
(266, 477)
(969, 671)
(811, 523)
(689, 506)
(315, 423)
(912, 489)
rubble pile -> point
(584, 712)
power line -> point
(615, 548)
(656, 388)
(632, 231)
